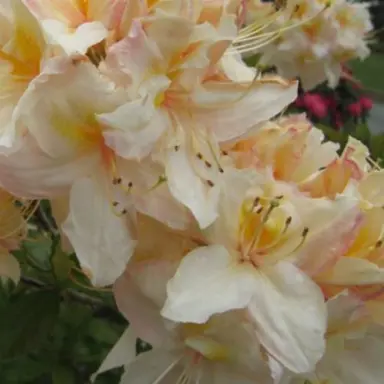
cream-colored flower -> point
(225, 349)
(354, 349)
(22, 49)
(181, 105)
(316, 38)
(263, 229)
(291, 148)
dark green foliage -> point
(54, 328)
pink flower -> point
(316, 104)
(366, 103)
(355, 109)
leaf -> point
(62, 265)
(377, 146)
(39, 252)
(27, 321)
(333, 135)
(102, 331)
(63, 375)
(363, 134)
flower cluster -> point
(241, 246)
(316, 38)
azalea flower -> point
(64, 153)
(354, 348)
(360, 266)
(22, 49)
(323, 36)
(263, 229)
(290, 147)
(223, 350)
(352, 165)
(77, 26)
(181, 105)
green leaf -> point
(103, 332)
(38, 252)
(63, 375)
(377, 146)
(333, 135)
(27, 321)
(62, 265)
(363, 134)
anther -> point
(210, 183)
(115, 203)
(130, 184)
(116, 180)
(260, 210)
(124, 211)
(224, 153)
(305, 232)
(199, 156)
(256, 202)
(379, 243)
(207, 164)
(176, 147)
(279, 197)
(221, 170)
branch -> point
(73, 294)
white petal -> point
(208, 281)
(85, 36)
(289, 311)
(101, 239)
(30, 173)
(135, 128)
(151, 367)
(189, 189)
(359, 362)
(122, 353)
(140, 310)
(59, 105)
(230, 111)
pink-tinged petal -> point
(9, 266)
(152, 196)
(30, 173)
(133, 129)
(142, 313)
(371, 188)
(208, 281)
(109, 12)
(122, 353)
(291, 317)
(189, 189)
(353, 271)
(102, 238)
(334, 230)
(128, 60)
(230, 110)
(151, 367)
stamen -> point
(274, 204)
(210, 183)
